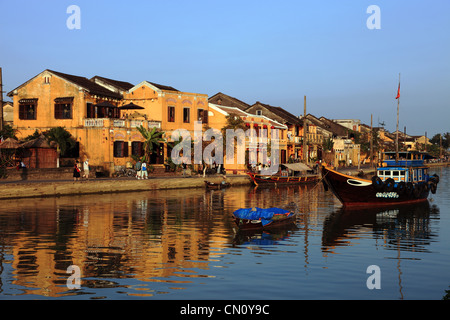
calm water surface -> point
(183, 245)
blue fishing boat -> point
(258, 218)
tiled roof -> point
(163, 87)
(280, 112)
(125, 86)
(90, 86)
(229, 101)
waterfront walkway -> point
(17, 189)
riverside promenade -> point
(20, 189)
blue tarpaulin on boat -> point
(265, 215)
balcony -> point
(94, 122)
(120, 123)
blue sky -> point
(273, 52)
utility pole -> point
(1, 100)
(371, 142)
(305, 133)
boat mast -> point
(398, 112)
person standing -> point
(76, 171)
(138, 169)
(184, 167)
(86, 168)
(144, 174)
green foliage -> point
(234, 123)
(436, 140)
(328, 144)
(153, 138)
(33, 136)
(63, 139)
(8, 132)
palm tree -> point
(234, 122)
(63, 139)
(152, 138)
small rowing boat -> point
(257, 218)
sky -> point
(267, 51)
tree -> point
(328, 144)
(152, 138)
(445, 140)
(234, 123)
(8, 132)
(63, 139)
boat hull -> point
(357, 192)
(264, 179)
(216, 186)
(253, 225)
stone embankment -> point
(45, 188)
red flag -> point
(398, 93)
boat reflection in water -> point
(406, 227)
(261, 238)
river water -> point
(182, 244)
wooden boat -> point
(296, 173)
(216, 186)
(261, 219)
(397, 182)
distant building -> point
(352, 124)
(8, 113)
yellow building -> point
(169, 107)
(103, 114)
(218, 119)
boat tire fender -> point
(433, 187)
(401, 188)
(417, 190)
(409, 188)
(377, 183)
(435, 177)
(389, 185)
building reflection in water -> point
(164, 236)
(167, 240)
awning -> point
(106, 104)
(64, 100)
(296, 166)
(131, 106)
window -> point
(259, 112)
(137, 148)
(202, 115)
(90, 110)
(63, 111)
(120, 149)
(171, 114)
(186, 115)
(28, 109)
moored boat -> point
(401, 181)
(217, 186)
(295, 173)
(260, 219)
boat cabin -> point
(409, 167)
(412, 174)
